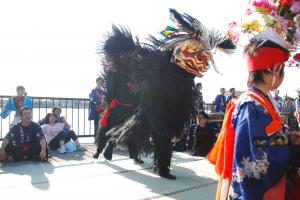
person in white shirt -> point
(57, 135)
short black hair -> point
(198, 84)
(24, 108)
(48, 117)
(204, 114)
(256, 77)
(20, 87)
(231, 89)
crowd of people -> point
(28, 140)
(147, 101)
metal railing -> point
(75, 110)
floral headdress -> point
(192, 44)
(271, 17)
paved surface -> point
(78, 176)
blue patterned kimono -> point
(259, 160)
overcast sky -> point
(50, 46)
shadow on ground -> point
(36, 171)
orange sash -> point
(221, 155)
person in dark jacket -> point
(96, 106)
(205, 136)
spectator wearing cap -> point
(15, 103)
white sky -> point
(50, 46)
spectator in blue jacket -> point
(15, 104)
(96, 106)
(220, 101)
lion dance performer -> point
(162, 74)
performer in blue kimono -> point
(261, 154)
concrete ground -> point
(79, 176)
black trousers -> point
(116, 116)
(162, 153)
(63, 135)
(33, 153)
(96, 126)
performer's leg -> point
(96, 122)
(109, 149)
(134, 152)
(100, 140)
(163, 154)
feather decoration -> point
(189, 27)
(180, 20)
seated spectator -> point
(180, 144)
(57, 112)
(205, 136)
(57, 135)
(25, 140)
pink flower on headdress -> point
(263, 6)
(248, 11)
(295, 8)
(233, 32)
(291, 62)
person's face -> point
(222, 91)
(20, 92)
(99, 83)
(52, 119)
(26, 116)
(199, 87)
(232, 92)
(57, 112)
(202, 121)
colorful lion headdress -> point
(192, 44)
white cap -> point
(272, 35)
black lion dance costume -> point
(162, 78)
